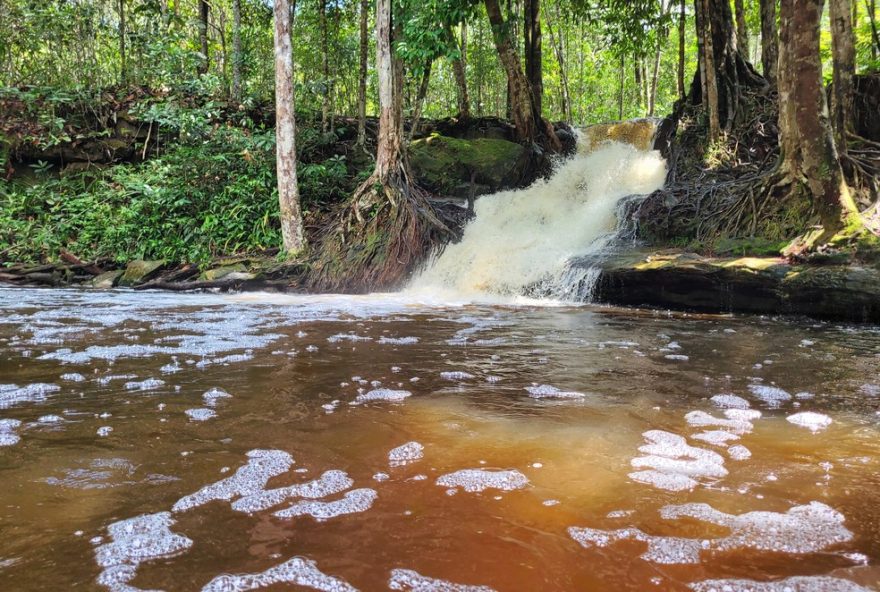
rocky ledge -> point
(765, 285)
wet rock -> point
(139, 271)
(225, 271)
(107, 280)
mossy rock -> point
(107, 280)
(450, 166)
(219, 273)
(139, 271)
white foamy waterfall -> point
(521, 242)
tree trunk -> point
(872, 18)
(742, 32)
(123, 74)
(708, 69)
(420, 98)
(285, 133)
(621, 86)
(655, 74)
(843, 59)
(681, 39)
(769, 40)
(204, 10)
(532, 45)
(808, 158)
(236, 51)
(559, 49)
(325, 66)
(362, 75)
(459, 71)
(521, 103)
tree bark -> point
(769, 40)
(621, 86)
(843, 59)
(459, 71)
(285, 133)
(325, 66)
(681, 39)
(742, 32)
(521, 103)
(871, 5)
(123, 74)
(556, 42)
(708, 69)
(204, 10)
(420, 98)
(532, 50)
(362, 75)
(809, 160)
(236, 50)
(389, 152)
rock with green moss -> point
(139, 271)
(107, 280)
(219, 273)
(457, 167)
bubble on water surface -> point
(406, 454)
(545, 391)
(8, 435)
(872, 390)
(810, 420)
(144, 385)
(134, 541)
(739, 452)
(673, 464)
(729, 401)
(398, 340)
(73, 377)
(353, 502)
(347, 337)
(736, 422)
(456, 375)
(297, 571)
(329, 483)
(50, 419)
(104, 431)
(665, 550)
(105, 380)
(247, 480)
(677, 357)
(478, 480)
(383, 394)
(411, 581)
(716, 437)
(793, 584)
(12, 394)
(200, 414)
(773, 396)
(212, 396)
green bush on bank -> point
(190, 204)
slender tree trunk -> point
(742, 32)
(325, 66)
(621, 86)
(236, 51)
(769, 40)
(681, 40)
(556, 41)
(420, 98)
(123, 74)
(459, 65)
(707, 68)
(362, 75)
(871, 7)
(843, 59)
(655, 74)
(521, 104)
(285, 133)
(204, 10)
(809, 160)
(389, 152)
(532, 45)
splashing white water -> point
(524, 237)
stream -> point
(189, 442)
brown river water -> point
(155, 441)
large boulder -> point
(139, 271)
(462, 168)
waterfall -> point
(522, 242)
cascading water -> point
(521, 242)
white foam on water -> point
(8, 435)
(412, 581)
(105, 380)
(383, 394)
(149, 384)
(73, 377)
(398, 340)
(297, 571)
(12, 394)
(673, 464)
(737, 424)
(545, 391)
(135, 541)
(872, 390)
(793, 584)
(353, 502)
(729, 401)
(716, 437)
(666, 481)
(478, 480)
(456, 375)
(406, 454)
(212, 396)
(773, 396)
(50, 419)
(200, 414)
(329, 483)
(348, 337)
(664, 550)
(247, 480)
(739, 452)
(522, 237)
(811, 420)
(677, 357)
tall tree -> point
(325, 66)
(742, 31)
(708, 68)
(844, 66)
(532, 50)
(236, 50)
(769, 40)
(459, 72)
(285, 133)
(809, 162)
(681, 41)
(204, 12)
(123, 68)
(362, 74)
